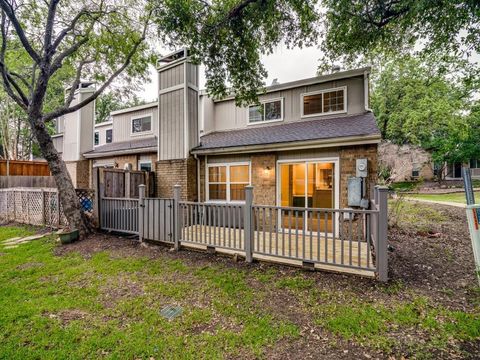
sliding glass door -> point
(309, 184)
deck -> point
(291, 248)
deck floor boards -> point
(331, 252)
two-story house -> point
(298, 146)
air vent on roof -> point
(275, 82)
(336, 68)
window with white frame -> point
(141, 124)
(227, 182)
(324, 102)
(268, 110)
(475, 163)
(145, 165)
(96, 138)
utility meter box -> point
(354, 191)
(362, 168)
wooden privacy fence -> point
(14, 181)
(24, 168)
(39, 206)
(343, 240)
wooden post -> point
(96, 197)
(141, 208)
(42, 205)
(248, 224)
(382, 245)
(58, 209)
(127, 184)
(176, 216)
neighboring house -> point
(297, 147)
(405, 162)
(128, 140)
(410, 163)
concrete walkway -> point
(448, 203)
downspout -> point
(195, 156)
(366, 91)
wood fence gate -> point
(151, 218)
(117, 183)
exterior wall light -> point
(266, 171)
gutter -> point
(119, 152)
(296, 145)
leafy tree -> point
(230, 36)
(114, 100)
(412, 97)
(46, 43)
(370, 27)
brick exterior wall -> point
(79, 173)
(181, 172)
(348, 156)
(264, 181)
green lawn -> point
(107, 305)
(451, 197)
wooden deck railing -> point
(346, 240)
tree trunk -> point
(68, 197)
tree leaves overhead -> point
(368, 27)
(229, 36)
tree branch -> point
(69, 28)
(8, 81)
(52, 10)
(76, 82)
(9, 11)
(67, 110)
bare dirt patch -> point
(119, 288)
(67, 316)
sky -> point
(284, 64)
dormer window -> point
(266, 111)
(142, 124)
(324, 102)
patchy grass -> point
(9, 232)
(458, 197)
(376, 324)
(404, 186)
(414, 216)
(104, 307)
(107, 304)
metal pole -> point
(248, 224)
(382, 254)
(176, 216)
(141, 208)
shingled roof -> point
(363, 125)
(118, 148)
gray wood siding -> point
(192, 117)
(87, 115)
(172, 125)
(58, 143)
(122, 124)
(171, 77)
(192, 74)
(227, 116)
(70, 137)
